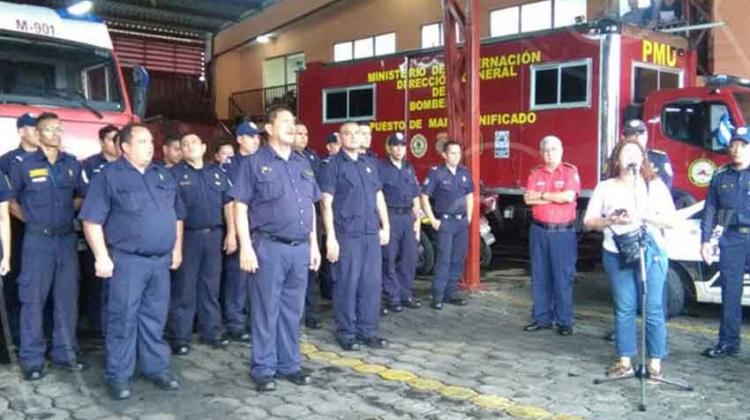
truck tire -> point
(485, 255)
(425, 255)
(674, 291)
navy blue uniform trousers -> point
(277, 296)
(196, 287)
(734, 257)
(236, 295)
(400, 259)
(138, 302)
(50, 266)
(357, 287)
(553, 266)
(450, 258)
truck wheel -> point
(485, 255)
(425, 255)
(674, 293)
(682, 199)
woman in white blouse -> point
(633, 196)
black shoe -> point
(565, 330)
(313, 324)
(349, 345)
(456, 300)
(119, 392)
(412, 303)
(719, 351)
(301, 377)
(242, 337)
(610, 336)
(265, 384)
(395, 307)
(34, 374)
(375, 342)
(72, 366)
(167, 382)
(436, 304)
(217, 343)
(534, 326)
(180, 349)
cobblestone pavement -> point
(461, 362)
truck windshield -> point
(743, 101)
(56, 73)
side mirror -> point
(140, 90)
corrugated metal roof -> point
(184, 17)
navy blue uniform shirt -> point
(90, 168)
(279, 193)
(353, 185)
(448, 191)
(663, 166)
(11, 158)
(45, 191)
(139, 211)
(728, 200)
(232, 165)
(204, 192)
(313, 158)
(400, 186)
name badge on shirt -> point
(265, 169)
(39, 179)
(34, 173)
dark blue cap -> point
(396, 139)
(741, 134)
(248, 129)
(332, 138)
(634, 127)
(26, 120)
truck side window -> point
(350, 103)
(561, 85)
(649, 79)
(695, 123)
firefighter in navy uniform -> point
(26, 126)
(450, 187)
(356, 223)
(728, 205)
(311, 305)
(92, 288)
(47, 186)
(326, 271)
(275, 194)
(195, 290)
(636, 129)
(132, 218)
(401, 192)
(235, 288)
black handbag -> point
(628, 246)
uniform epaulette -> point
(658, 152)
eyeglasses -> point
(53, 130)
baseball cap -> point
(741, 134)
(248, 129)
(332, 138)
(26, 120)
(634, 127)
(396, 139)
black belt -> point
(49, 231)
(400, 210)
(555, 226)
(744, 230)
(285, 241)
(457, 216)
(202, 230)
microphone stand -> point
(641, 371)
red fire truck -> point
(579, 83)
(51, 61)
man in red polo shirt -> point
(551, 192)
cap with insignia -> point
(26, 120)
(741, 134)
(332, 138)
(396, 139)
(634, 126)
(248, 129)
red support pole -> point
(462, 91)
